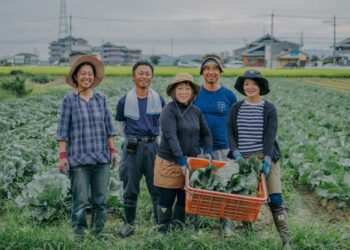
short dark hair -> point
(77, 68)
(140, 63)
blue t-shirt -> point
(147, 125)
(216, 106)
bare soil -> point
(341, 85)
(308, 205)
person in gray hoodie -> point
(182, 125)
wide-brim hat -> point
(257, 77)
(99, 67)
(212, 57)
(182, 77)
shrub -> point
(46, 197)
(16, 72)
(15, 84)
(42, 78)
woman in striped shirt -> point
(252, 129)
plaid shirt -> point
(86, 127)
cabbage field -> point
(314, 135)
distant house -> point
(113, 54)
(6, 61)
(265, 52)
(25, 59)
(290, 57)
(61, 49)
(74, 54)
(343, 51)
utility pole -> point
(63, 25)
(70, 32)
(334, 23)
(302, 41)
(172, 47)
(272, 16)
(334, 40)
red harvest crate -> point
(222, 205)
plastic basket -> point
(222, 205)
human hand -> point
(63, 162)
(182, 162)
(207, 157)
(237, 155)
(266, 166)
(208, 154)
(184, 168)
(113, 158)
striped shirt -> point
(250, 127)
(85, 126)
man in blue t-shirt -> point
(137, 117)
(215, 101)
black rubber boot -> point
(247, 226)
(279, 215)
(178, 221)
(128, 227)
(192, 222)
(155, 211)
(225, 228)
(164, 219)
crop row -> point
(313, 132)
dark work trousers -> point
(133, 167)
(167, 197)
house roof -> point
(258, 50)
(257, 47)
(265, 39)
(290, 51)
(25, 54)
(344, 43)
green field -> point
(171, 71)
(314, 134)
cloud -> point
(192, 26)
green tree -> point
(154, 60)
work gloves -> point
(208, 154)
(182, 162)
(265, 169)
(63, 162)
(237, 155)
(113, 158)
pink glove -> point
(63, 162)
(113, 158)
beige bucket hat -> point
(182, 77)
(99, 66)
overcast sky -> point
(171, 27)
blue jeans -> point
(82, 178)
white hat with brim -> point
(99, 67)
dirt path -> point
(307, 207)
(341, 85)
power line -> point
(30, 21)
(309, 17)
(166, 20)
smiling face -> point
(183, 93)
(85, 77)
(142, 76)
(251, 88)
(211, 73)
